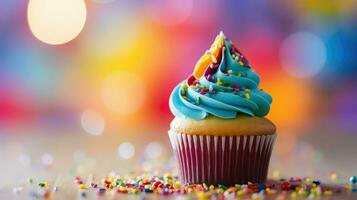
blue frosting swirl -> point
(227, 89)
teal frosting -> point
(227, 90)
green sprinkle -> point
(222, 186)
(30, 180)
(43, 184)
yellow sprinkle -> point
(237, 186)
(203, 195)
(313, 191)
(333, 176)
(131, 191)
(247, 95)
(82, 187)
(308, 180)
(177, 185)
(219, 83)
(293, 195)
(240, 62)
(276, 174)
(211, 187)
(184, 85)
(240, 193)
(328, 193)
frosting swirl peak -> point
(223, 84)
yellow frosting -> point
(240, 126)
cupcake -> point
(219, 134)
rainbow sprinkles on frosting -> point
(223, 84)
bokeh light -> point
(333, 176)
(93, 122)
(47, 160)
(325, 9)
(276, 174)
(104, 39)
(153, 150)
(56, 22)
(123, 92)
(292, 102)
(126, 150)
(303, 54)
(34, 76)
(169, 12)
(24, 159)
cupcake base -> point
(226, 160)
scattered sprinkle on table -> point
(168, 185)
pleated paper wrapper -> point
(226, 160)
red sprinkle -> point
(285, 186)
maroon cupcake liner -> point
(226, 160)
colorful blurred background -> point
(84, 85)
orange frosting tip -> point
(210, 57)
